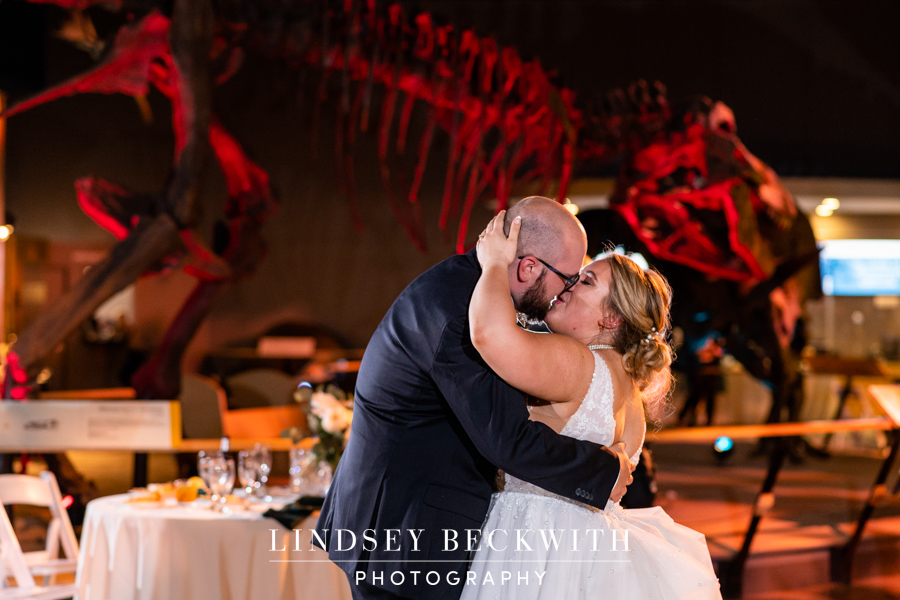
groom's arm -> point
(496, 420)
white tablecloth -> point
(135, 552)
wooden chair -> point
(263, 422)
(119, 393)
(260, 387)
(200, 400)
(23, 567)
(259, 422)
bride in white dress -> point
(595, 381)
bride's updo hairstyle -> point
(642, 299)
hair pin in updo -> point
(650, 336)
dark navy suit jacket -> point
(431, 423)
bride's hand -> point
(494, 248)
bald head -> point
(550, 235)
(549, 231)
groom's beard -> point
(534, 302)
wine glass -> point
(264, 468)
(204, 463)
(222, 474)
(303, 463)
(249, 471)
(325, 475)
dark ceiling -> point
(815, 85)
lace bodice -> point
(594, 421)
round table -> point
(157, 551)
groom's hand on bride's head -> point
(625, 470)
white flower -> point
(322, 403)
(334, 423)
(334, 418)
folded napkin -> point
(292, 515)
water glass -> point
(303, 469)
(204, 463)
(249, 471)
(309, 475)
(222, 475)
(264, 466)
(325, 474)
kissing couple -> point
(451, 389)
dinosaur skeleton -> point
(689, 190)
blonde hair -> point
(642, 299)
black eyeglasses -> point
(570, 281)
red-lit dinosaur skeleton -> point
(504, 118)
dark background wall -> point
(814, 84)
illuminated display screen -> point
(860, 267)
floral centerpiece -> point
(329, 413)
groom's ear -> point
(527, 270)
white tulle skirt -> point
(543, 547)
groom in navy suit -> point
(432, 423)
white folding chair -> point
(23, 567)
